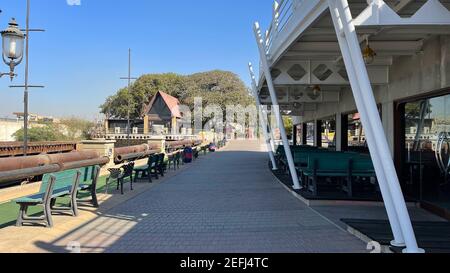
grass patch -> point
(9, 211)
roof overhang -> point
(304, 52)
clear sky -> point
(83, 52)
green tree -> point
(48, 132)
(76, 128)
(288, 124)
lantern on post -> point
(12, 47)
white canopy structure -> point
(322, 57)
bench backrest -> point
(153, 160)
(128, 169)
(89, 174)
(63, 179)
(161, 159)
(301, 158)
(49, 182)
(362, 164)
(329, 162)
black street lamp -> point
(12, 44)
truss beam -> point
(362, 90)
(263, 120)
(276, 107)
(378, 13)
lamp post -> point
(12, 45)
(26, 84)
(129, 78)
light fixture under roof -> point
(368, 53)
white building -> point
(8, 127)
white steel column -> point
(262, 118)
(276, 106)
(370, 135)
(363, 93)
(271, 123)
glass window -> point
(427, 150)
(310, 133)
(299, 129)
(356, 134)
(329, 133)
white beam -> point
(276, 107)
(262, 119)
(382, 47)
(365, 117)
(363, 94)
(401, 5)
(378, 13)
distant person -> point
(188, 154)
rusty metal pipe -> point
(180, 144)
(132, 149)
(122, 158)
(85, 163)
(14, 163)
(21, 174)
(73, 156)
(17, 163)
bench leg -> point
(94, 197)
(121, 186)
(315, 190)
(106, 185)
(52, 203)
(48, 215)
(22, 215)
(74, 206)
(350, 186)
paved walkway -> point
(225, 202)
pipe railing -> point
(282, 13)
(135, 156)
(25, 173)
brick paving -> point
(226, 202)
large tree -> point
(218, 87)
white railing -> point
(283, 11)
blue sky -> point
(83, 52)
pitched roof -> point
(172, 103)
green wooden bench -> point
(88, 183)
(53, 186)
(347, 165)
(153, 168)
(281, 155)
(361, 166)
(327, 165)
(175, 160)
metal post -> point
(262, 118)
(276, 106)
(129, 94)
(129, 78)
(26, 84)
(25, 99)
(387, 176)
